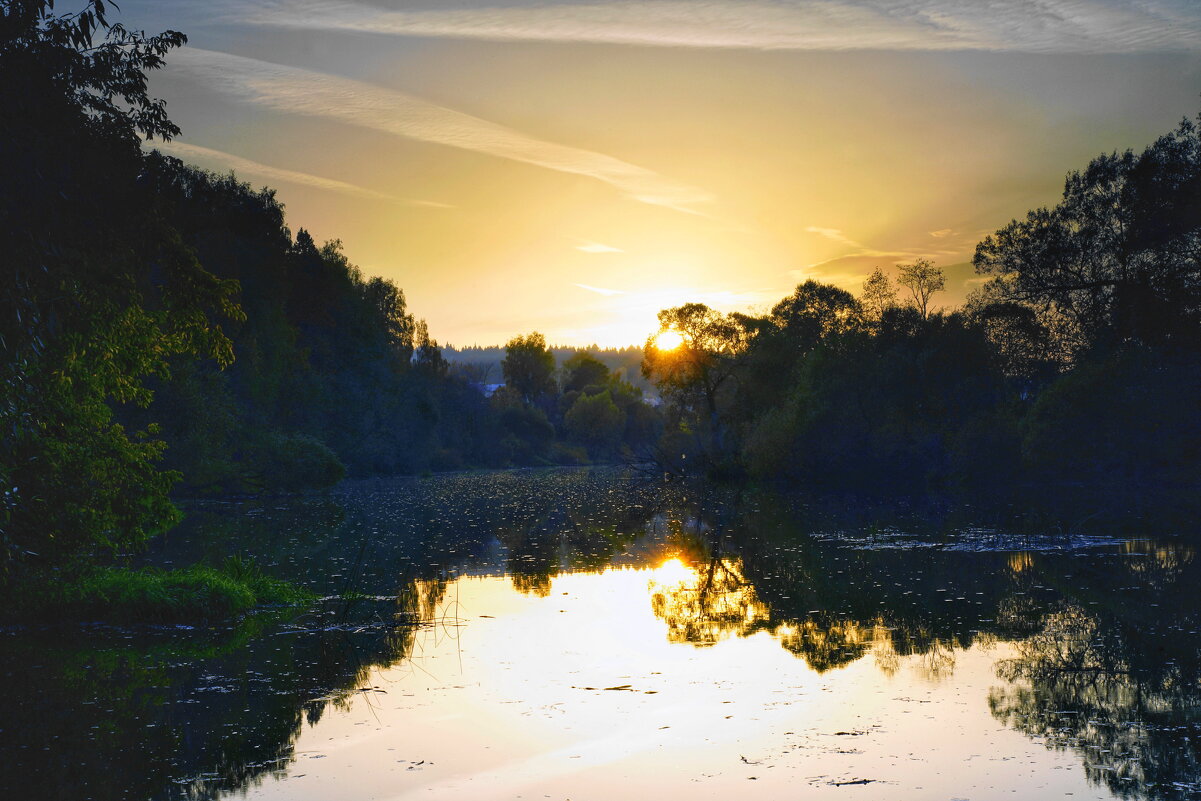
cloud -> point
(298, 91)
(1031, 26)
(248, 167)
(861, 251)
(834, 234)
(601, 290)
(941, 233)
(597, 247)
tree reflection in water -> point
(1104, 659)
(1118, 683)
(737, 584)
(1107, 654)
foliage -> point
(99, 293)
(695, 378)
(154, 595)
(481, 364)
(1116, 260)
(922, 279)
(595, 421)
(697, 369)
(1078, 365)
(878, 295)
(582, 370)
(1125, 420)
(292, 462)
(529, 367)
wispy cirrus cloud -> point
(1034, 26)
(260, 170)
(846, 270)
(298, 91)
(597, 247)
(834, 235)
(859, 250)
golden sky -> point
(572, 168)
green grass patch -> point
(152, 595)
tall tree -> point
(814, 311)
(703, 361)
(529, 367)
(922, 279)
(98, 291)
(582, 370)
(879, 295)
(1119, 258)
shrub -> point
(154, 595)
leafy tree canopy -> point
(1119, 258)
(529, 367)
(583, 370)
(98, 291)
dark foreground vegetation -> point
(164, 331)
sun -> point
(673, 572)
(669, 340)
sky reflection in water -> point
(580, 695)
(574, 635)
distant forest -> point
(165, 332)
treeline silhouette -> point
(163, 330)
(331, 373)
(1075, 364)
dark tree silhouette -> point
(98, 292)
(1119, 259)
(922, 279)
(529, 368)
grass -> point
(152, 595)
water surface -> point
(579, 634)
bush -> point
(595, 421)
(153, 595)
(292, 463)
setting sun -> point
(673, 572)
(669, 340)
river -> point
(585, 634)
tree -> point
(815, 311)
(705, 358)
(1119, 258)
(388, 301)
(98, 291)
(695, 376)
(582, 370)
(878, 296)
(427, 356)
(529, 367)
(595, 421)
(922, 279)
(1021, 344)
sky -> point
(573, 167)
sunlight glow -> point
(669, 340)
(673, 572)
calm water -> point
(577, 635)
